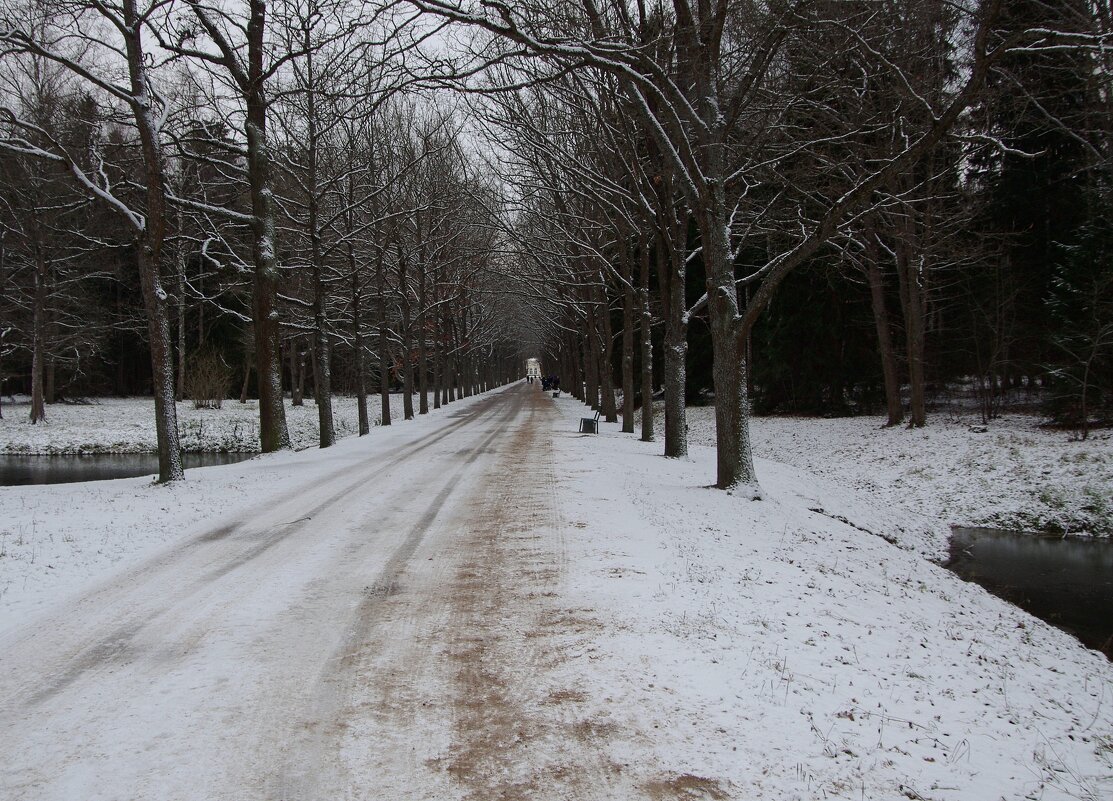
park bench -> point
(589, 425)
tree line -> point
(258, 181)
(836, 203)
(821, 205)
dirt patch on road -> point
(516, 735)
(686, 787)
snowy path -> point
(365, 638)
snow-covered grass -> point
(127, 425)
(954, 472)
(771, 651)
(55, 538)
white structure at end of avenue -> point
(533, 368)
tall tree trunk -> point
(359, 353)
(246, 379)
(465, 367)
(322, 349)
(606, 368)
(293, 354)
(671, 276)
(438, 361)
(734, 458)
(322, 379)
(180, 271)
(646, 343)
(322, 345)
(50, 379)
(575, 356)
(884, 331)
(384, 347)
(273, 433)
(912, 302)
(407, 341)
(591, 359)
(407, 379)
(3, 289)
(162, 365)
(38, 335)
(422, 352)
(627, 340)
(303, 356)
(51, 328)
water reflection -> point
(18, 469)
(1067, 582)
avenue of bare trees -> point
(255, 187)
(826, 206)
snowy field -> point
(127, 425)
(726, 648)
(775, 653)
(954, 472)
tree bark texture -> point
(646, 315)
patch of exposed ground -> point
(516, 733)
(685, 786)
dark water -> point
(1067, 582)
(17, 469)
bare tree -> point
(146, 218)
(245, 67)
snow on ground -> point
(730, 648)
(55, 538)
(127, 425)
(763, 650)
(954, 472)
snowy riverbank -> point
(954, 472)
(127, 425)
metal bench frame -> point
(589, 425)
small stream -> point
(20, 469)
(1066, 581)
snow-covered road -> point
(316, 648)
(486, 605)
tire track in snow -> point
(322, 722)
(154, 634)
(210, 557)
